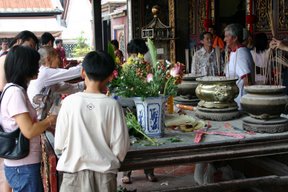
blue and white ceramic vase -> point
(151, 114)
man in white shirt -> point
(240, 64)
(204, 61)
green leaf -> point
(136, 129)
(153, 52)
(111, 50)
(174, 139)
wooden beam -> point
(229, 150)
(97, 24)
(171, 4)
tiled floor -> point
(174, 176)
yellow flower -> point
(140, 56)
(117, 60)
(129, 61)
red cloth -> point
(218, 42)
(62, 55)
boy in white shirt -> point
(91, 132)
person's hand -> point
(52, 120)
(278, 44)
(274, 43)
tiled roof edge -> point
(29, 10)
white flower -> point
(175, 71)
(149, 77)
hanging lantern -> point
(156, 29)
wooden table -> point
(211, 148)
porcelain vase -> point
(151, 114)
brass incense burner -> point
(217, 92)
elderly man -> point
(240, 64)
(204, 61)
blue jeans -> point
(26, 178)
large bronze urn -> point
(217, 92)
(265, 104)
(186, 90)
(217, 96)
(188, 85)
(264, 101)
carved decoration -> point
(261, 12)
(212, 13)
(172, 25)
(192, 17)
(201, 15)
(283, 15)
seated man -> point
(205, 61)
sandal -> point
(151, 177)
(126, 180)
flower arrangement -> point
(137, 78)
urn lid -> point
(264, 89)
(212, 79)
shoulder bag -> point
(13, 145)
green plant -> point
(137, 78)
(135, 128)
(82, 48)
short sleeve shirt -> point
(15, 101)
(239, 65)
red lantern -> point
(207, 23)
(250, 19)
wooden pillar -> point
(208, 21)
(97, 28)
(130, 24)
(172, 25)
(250, 17)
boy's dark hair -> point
(203, 34)
(137, 46)
(98, 65)
(115, 43)
(21, 64)
(260, 42)
(24, 36)
(57, 41)
(46, 37)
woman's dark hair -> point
(98, 65)
(260, 42)
(115, 43)
(24, 36)
(137, 46)
(21, 64)
(46, 37)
